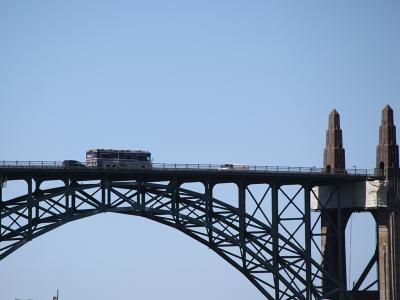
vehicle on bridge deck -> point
(69, 163)
(118, 158)
(234, 167)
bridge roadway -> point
(53, 170)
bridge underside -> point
(268, 231)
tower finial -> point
(334, 120)
(387, 151)
(387, 116)
(334, 154)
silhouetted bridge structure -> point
(284, 229)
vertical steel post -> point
(67, 195)
(30, 206)
(37, 188)
(242, 220)
(307, 239)
(340, 236)
(108, 187)
(103, 193)
(73, 201)
(175, 201)
(142, 195)
(139, 192)
(275, 238)
(209, 209)
(1, 208)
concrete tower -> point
(334, 161)
(334, 155)
(387, 151)
(388, 219)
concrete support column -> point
(333, 221)
(384, 253)
(394, 253)
(388, 219)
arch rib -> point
(190, 217)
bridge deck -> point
(48, 170)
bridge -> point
(288, 240)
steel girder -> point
(270, 237)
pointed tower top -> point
(334, 120)
(387, 107)
(387, 152)
(334, 155)
(387, 116)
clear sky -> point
(193, 82)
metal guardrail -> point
(195, 167)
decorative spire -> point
(334, 154)
(334, 120)
(387, 130)
(387, 151)
(387, 115)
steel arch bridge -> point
(272, 237)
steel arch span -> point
(268, 237)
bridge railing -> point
(266, 169)
(194, 167)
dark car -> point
(68, 164)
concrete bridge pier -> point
(388, 219)
(387, 216)
(334, 220)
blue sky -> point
(193, 82)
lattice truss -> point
(333, 279)
(267, 232)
